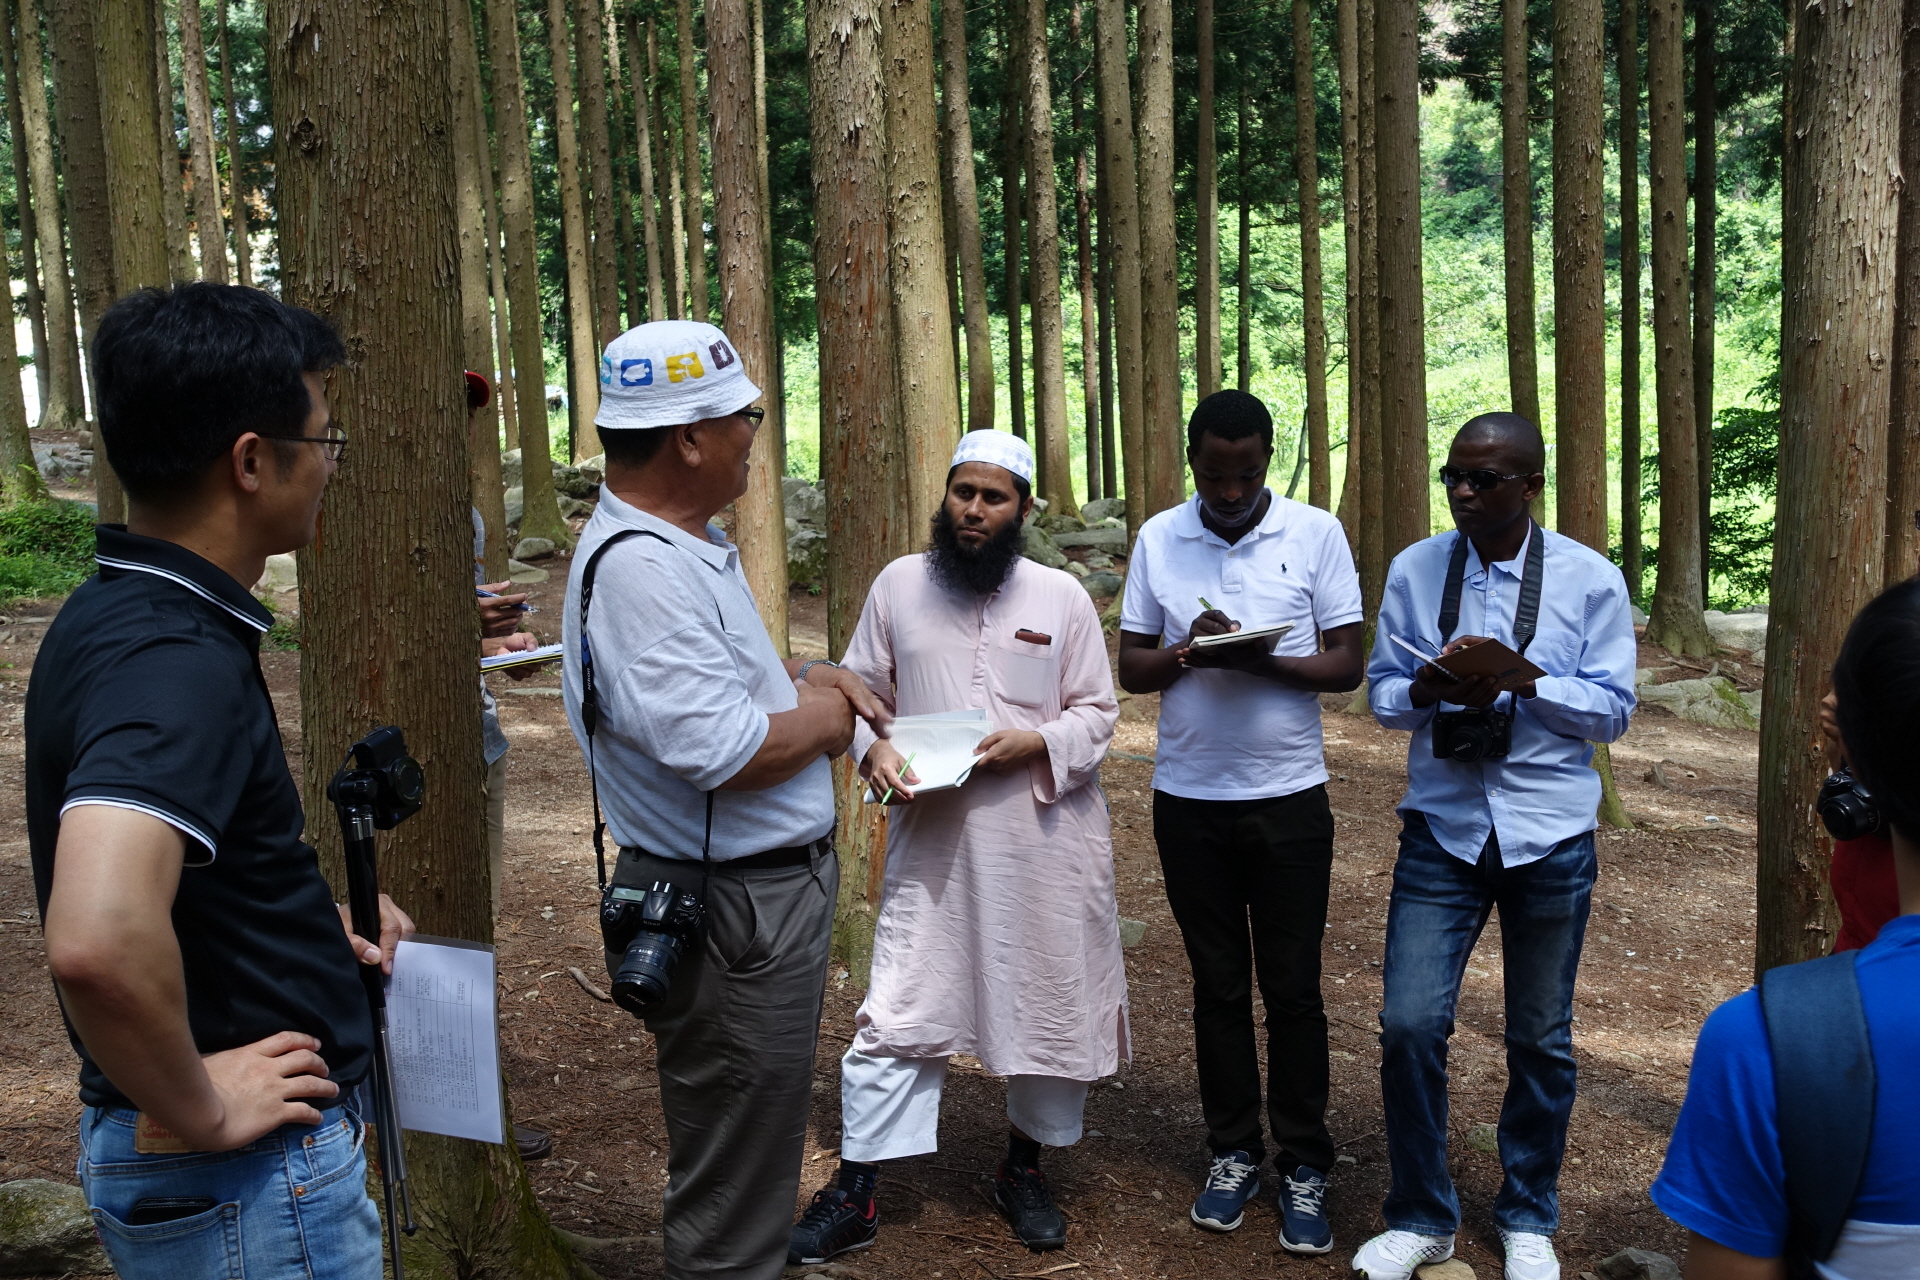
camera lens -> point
(1469, 742)
(646, 971)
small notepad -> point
(1245, 635)
(941, 745)
(522, 657)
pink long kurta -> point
(997, 934)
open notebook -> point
(522, 657)
(941, 745)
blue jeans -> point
(1440, 905)
(291, 1206)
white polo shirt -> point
(1226, 735)
(686, 676)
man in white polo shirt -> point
(709, 753)
(1239, 794)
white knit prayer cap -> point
(1000, 448)
(670, 372)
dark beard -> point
(971, 571)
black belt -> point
(798, 855)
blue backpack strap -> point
(1823, 1083)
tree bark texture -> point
(1103, 296)
(1122, 223)
(583, 351)
(66, 399)
(695, 207)
(124, 43)
(28, 206)
(597, 148)
(1516, 205)
(1347, 52)
(236, 188)
(208, 222)
(1206, 238)
(675, 221)
(365, 181)
(1049, 325)
(1580, 273)
(868, 524)
(473, 180)
(541, 510)
(1166, 470)
(1706, 181)
(1903, 435)
(966, 205)
(1243, 283)
(1839, 217)
(1675, 620)
(1306, 168)
(504, 393)
(1012, 211)
(746, 299)
(634, 303)
(172, 175)
(1632, 557)
(1366, 372)
(20, 479)
(927, 381)
(1084, 270)
(90, 221)
(1403, 344)
(643, 149)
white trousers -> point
(890, 1107)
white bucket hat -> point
(670, 372)
(1001, 448)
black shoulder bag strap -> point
(1526, 619)
(590, 705)
(1823, 1085)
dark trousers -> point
(735, 1039)
(1247, 881)
(1440, 905)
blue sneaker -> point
(1232, 1181)
(1303, 1213)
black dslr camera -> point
(1472, 735)
(1846, 807)
(651, 930)
(378, 774)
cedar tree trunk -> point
(242, 247)
(1159, 356)
(1516, 205)
(966, 207)
(1632, 561)
(1903, 436)
(695, 207)
(1706, 182)
(1206, 216)
(1405, 485)
(1306, 168)
(1049, 337)
(1122, 221)
(597, 148)
(473, 178)
(172, 175)
(208, 222)
(1580, 273)
(643, 146)
(583, 352)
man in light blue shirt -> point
(1484, 827)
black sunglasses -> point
(334, 442)
(1480, 478)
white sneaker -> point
(1393, 1255)
(1529, 1256)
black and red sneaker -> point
(1023, 1198)
(835, 1223)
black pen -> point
(484, 594)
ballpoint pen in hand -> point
(904, 770)
(484, 594)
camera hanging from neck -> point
(1477, 734)
(1525, 618)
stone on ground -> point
(1132, 931)
(281, 574)
(1041, 548)
(1710, 701)
(533, 548)
(1484, 1137)
(1451, 1269)
(1103, 508)
(1637, 1264)
(806, 555)
(803, 501)
(1106, 539)
(1738, 630)
(1104, 583)
(525, 574)
(45, 1230)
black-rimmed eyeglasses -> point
(755, 415)
(333, 443)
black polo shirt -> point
(147, 695)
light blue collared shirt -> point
(1544, 790)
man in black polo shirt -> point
(203, 968)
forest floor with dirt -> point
(1671, 936)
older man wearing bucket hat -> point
(709, 754)
(997, 935)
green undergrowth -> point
(46, 548)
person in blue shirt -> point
(1725, 1179)
(1486, 828)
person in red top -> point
(1861, 873)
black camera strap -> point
(590, 712)
(1526, 618)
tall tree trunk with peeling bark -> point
(746, 294)
(504, 393)
(1166, 471)
(695, 209)
(1706, 205)
(917, 245)
(966, 205)
(1373, 535)
(208, 222)
(643, 149)
(124, 52)
(1632, 562)
(1103, 291)
(1012, 210)
(583, 352)
(1084, 270)
(20, 479)
(1403, 345)
(1675, 620)
(541, 510)
(65, 402)
(172, 176)
(1243, 274)
(1903, 434)
(1839, 220)
(596, 147)
(1206, 214)
(868, 524)
(622, 179)
(31, 211)
(374, 250)
(473, 178)
(1516, 205)
(1049, 325)
(1116, 140)
(676, 230)
(236, 189)
(1347, 38)
(1306, 168)
(1580, 273)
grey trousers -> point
(735, 1041)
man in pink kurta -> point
(997, 934)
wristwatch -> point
(810, 665)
